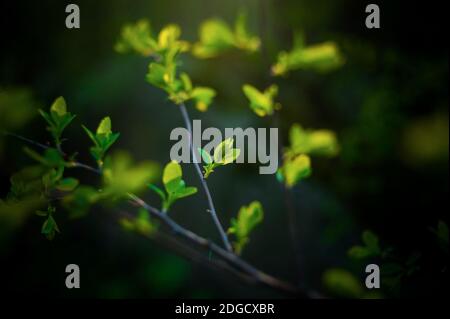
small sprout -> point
(248, 218)
(174, 185)
(217, 37)
(122, 176)
(138, 38)
(262, 103)
(312, 142)
(141, 224)
(103, 139)
(370, 248)
(224, 154)
(294, 169)
(57, 119)
(163, 76)
(49, 227)
(320, 57)
(203, 97)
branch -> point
(233, 263)
(212, 209)
(231, 258)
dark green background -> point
(395, 79)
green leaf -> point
(243, 39)
(187, 84)
(342, 283)
(46, 117)
(156, 75)
(248, 218)
(185, 192)
(90, 134)
(262, 103)
(172, 176)
(121, 176)
(224, 153)
(67, 184)
(103, 139)
(217, 37)
(371, 242)
(295, 169)
(359, 252)
(168, 38)
(137, 38)
(320, 57)
(312, 142)
(158, 191)
(78, 202)
(59, 107)
(49, 227)
(58, 119)
(105, 126)
(203, 97)
(206, 157)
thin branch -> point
(212, 209)
(29, 141)
(231, 258)
(238, 264)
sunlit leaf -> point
(121, 176)
(262, 103)
(295, 169)
(319, 57)
(247, 219)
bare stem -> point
(212, 209)
(231, 258)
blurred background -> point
(388, 106)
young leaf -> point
(294, 169)
(172, 177)
(174, 185)
(168, 39)
(59, 107)
(122, 176)
(248, 218)
(105, 126)
(103, 139)
(217, 37)
(312, 142)
(138, 38)
(57, 119)
(203, 97)
(319, 57)
(205, 156)
(262, 102)
(67, 184)
(49, 227)
(158, 191)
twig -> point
(212, 209)
(229, 257)
(29, 141)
